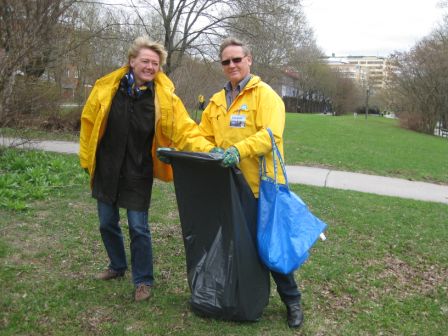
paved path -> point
(310, 176)
(380, 185)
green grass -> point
(383, 269)
(36, 134)
(34, 176)
(375, 146)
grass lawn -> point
(382, 271)
(39, 134)
(375, 146)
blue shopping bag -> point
(286, 228)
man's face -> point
(239, 65)
(145, 65)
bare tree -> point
(197, 77)
(420, 83)
(275, 31)
(96, 43)
(346, 96)
(186, 26)
(196, 27)
(27, 28)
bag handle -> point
(275, 152)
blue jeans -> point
(140, 236)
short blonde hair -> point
(144, 42)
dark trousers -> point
(286, 287)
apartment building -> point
(368, 71)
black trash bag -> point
(218, 217)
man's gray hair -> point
(232, 41)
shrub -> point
(32, 100)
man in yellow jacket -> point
(128, 115)
(236, 120)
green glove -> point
(161, 157)
(231, 157)
(217, 150)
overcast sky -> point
(371, 27)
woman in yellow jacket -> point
(236, 120)
(128, 115)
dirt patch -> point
(409, 280)
(337, 300)
(398, 279)
(94, 318)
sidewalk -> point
(320, 177)
(379, 185)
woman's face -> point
(145, 65)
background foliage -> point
(86, 39)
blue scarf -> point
(131, 88)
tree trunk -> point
(6, 95)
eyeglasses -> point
(235, 60)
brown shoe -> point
(142, 292)
(109, 274)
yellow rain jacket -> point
(255, 109)
(173, 125)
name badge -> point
(238, 121)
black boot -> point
(295, 314)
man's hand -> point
(163, 158)
(231, 157)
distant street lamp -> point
(367, 101)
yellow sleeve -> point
(88, 118)
(270, 114)
(187, 136)
(205, 126)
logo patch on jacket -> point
(238, 120)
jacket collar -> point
(220, 97)
(112, 80)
